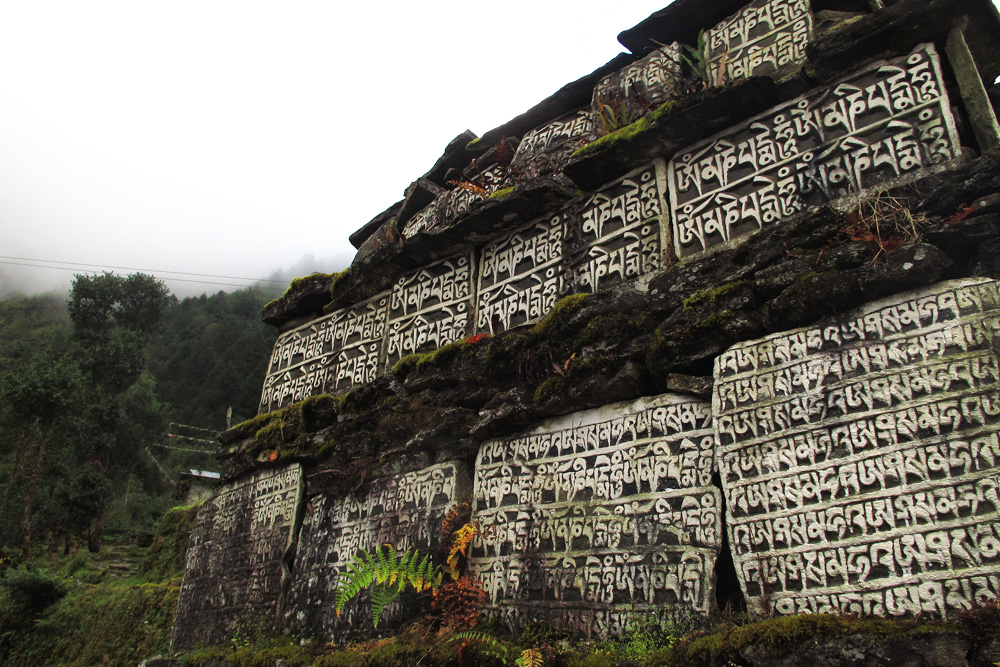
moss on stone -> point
(783, 633)
(612, 138)
(715, 319)
(711, 295)
(474, 144)
(559, 316)
(502, 192)
(551, 388)
(406, 364)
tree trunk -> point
(29, 498)
(95, 534)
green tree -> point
(114, 318)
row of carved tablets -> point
(617, 235)
(404, 510)
(599, 515)
(888, 122)
(860, 458)
(235, 557)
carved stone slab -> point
(600, 515)
(765, 38)
(887, 123)
(234, 559)
(430, 308)
(329, 355)
(403, 510)
(635, 90)
(520, 276)
(456, 202)
(621, 227)
(860, 459)
(547, 149)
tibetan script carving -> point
(621, 227)
(599, 513)
(403, 510)
(430, 308)
(767, 37)
(548, 149)
(328, 355)
(520, 276)
(861, 458)
(234, 559)
(626, 95)
(887, 123)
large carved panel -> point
(620, 230)
(633, 91)
(234, 560)
(329, 355)
(403, 510)
(600, 515)
(520, 276)
(860, 458)
(765, 38)
(430, 308)
(887, 123)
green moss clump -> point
(166, 556)
(783, 634)
(501, 193)
(559, 316)
(612, 138)
(711, 295)
(406, 364)
(474, 144)
(716, 319)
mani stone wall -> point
(860, 458)
(886, 123)
(235, 560)
(850, 466)
(598, 516)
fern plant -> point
(529, 657)
(388, 572)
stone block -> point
(235, 558)
(888, 123)
(600, 515)
(765, 38)
(860, 458)
(404, 510)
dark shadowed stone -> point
(360, 236)
(420, 193)
(455, 157)
(918, 650)
(308, 297)
(689, 384)
(896, 29)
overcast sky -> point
(233, 138)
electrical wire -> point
(169, 278)
(129, 268)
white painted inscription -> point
(600, 513)
(767, 37)
(886, 123)
(403, 510)
(621, 226)
(520, 276)
(861, 459)
(430, 308)
(632, 91)
(233, 566)
(548, 148)
(328, 355)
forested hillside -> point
(89, 401)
